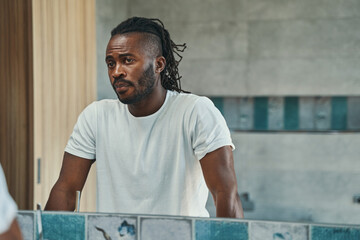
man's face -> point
(130, 67)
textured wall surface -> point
(252, 47)
(299, 176)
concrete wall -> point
(268, 48)
(302, 177)
(253, 47)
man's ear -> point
(160, 64)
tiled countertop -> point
(79, 226)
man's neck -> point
(149, 105)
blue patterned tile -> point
(269, 230)
(334, 233)
(63, 226)
(165, 229)
(291, 113)
(26, 223)
(113, 226)
(220, 230)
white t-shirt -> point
(150, 165)
(8, 208)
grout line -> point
(138, 227)
(34, 226)
(193, 229)
(86, 227)
(309, 232)
(249, 230)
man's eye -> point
(110, 64)
(129, 60)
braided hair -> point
(170, 78)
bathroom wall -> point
(269, 48)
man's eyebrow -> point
(108, 57)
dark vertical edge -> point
(260, 113)
(30, 109)
(291, 113)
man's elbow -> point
(228, 192)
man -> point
(157, 148)
(9, 228)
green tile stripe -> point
(342, 114)
(219, 230)
(63, 226)
(291, 113)
(339, 113)
(261, 113)
(219, 103)
(334, 233)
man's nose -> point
(119, 71)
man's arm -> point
(73, 174)
(13, 233)
(219, 174)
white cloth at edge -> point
(8, 208)
(150, 165)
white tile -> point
(323, 113)
(276, 113)
(26, 223)
(354, 113)
(307, 113)
(277, 231)
(165, 229)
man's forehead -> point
(131, 38)
(137, 41)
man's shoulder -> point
(187, 104)
(189, 99)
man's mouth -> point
(121, 87)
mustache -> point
(121, 80)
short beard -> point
(143, 88)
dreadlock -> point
(170, 78)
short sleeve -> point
(82, 142)
(8, 208)
(209, 128)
